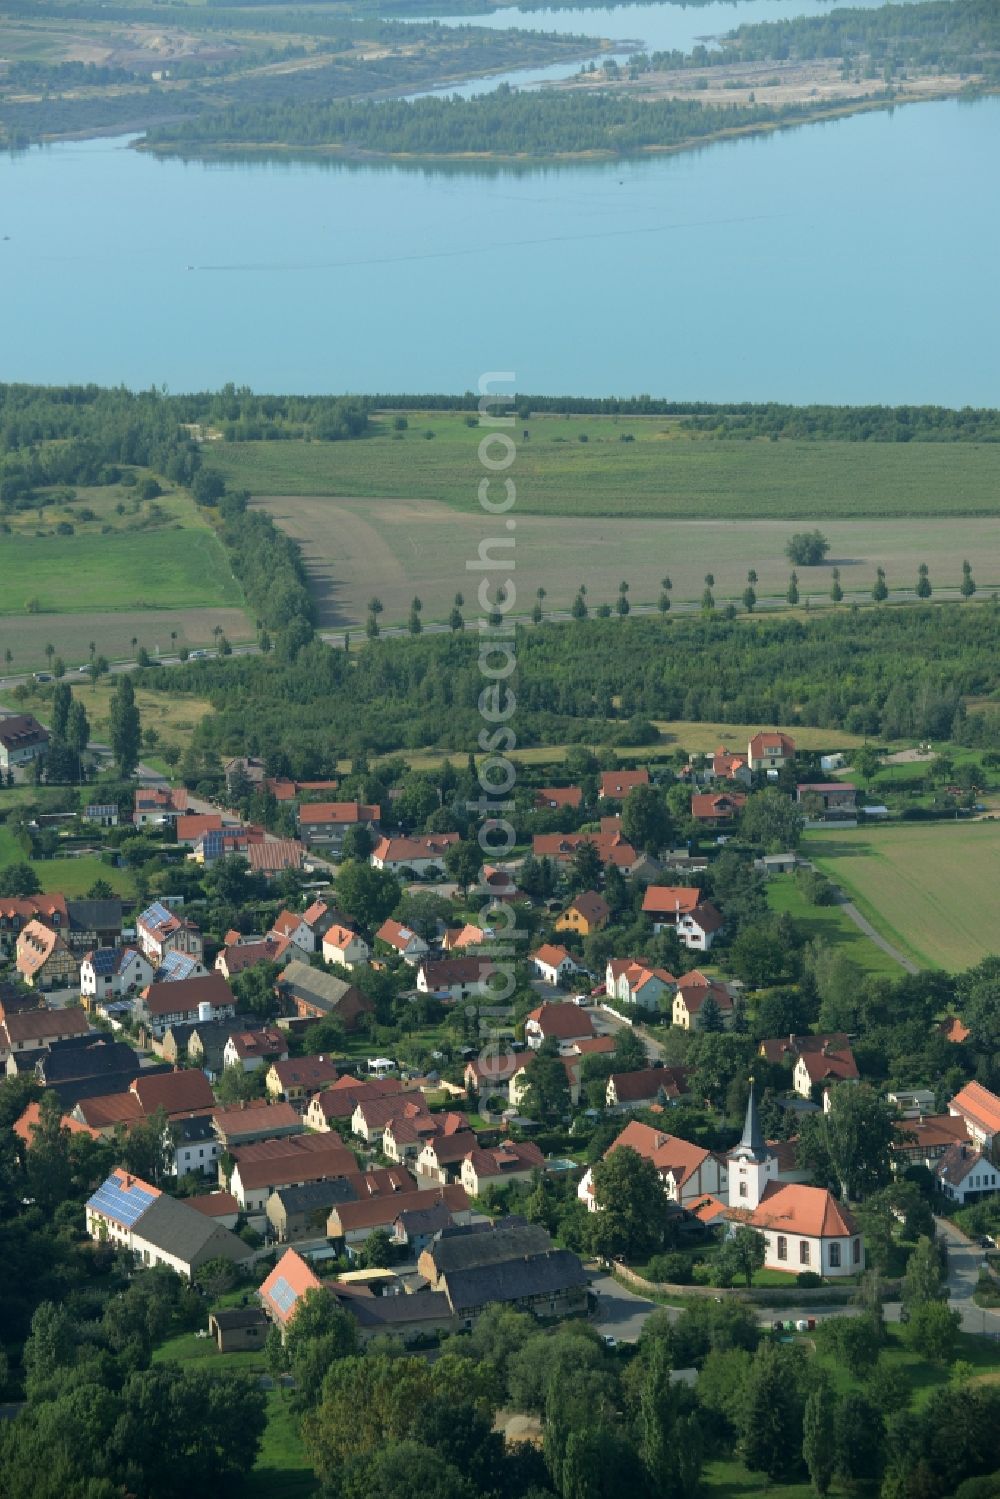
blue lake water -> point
(848, 261)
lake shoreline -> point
(227, 150)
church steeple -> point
(752, 1145)
(751, 1164)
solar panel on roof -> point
(125, 1205)
(156, 914)
(104, 960)
(282, 1295)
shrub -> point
(808, 1279)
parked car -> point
(43, 676)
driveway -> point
(964, 1260)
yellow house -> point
(585, 914)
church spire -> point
(752, 1142)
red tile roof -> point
(297, 1158)
(670, 900)
(616, 784)
(978, 1104)
(343, 814)
(551, 955)
(40, 1025)
(214, 1204)
(668, 1153)
(558, 796)
(566, 1022)
(175, 1092)
(193, 825)
(797, 1209)
(185, 995)
(712, 805)
(305, 1072)
(292, 1272)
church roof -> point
(812, 1211)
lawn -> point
(72, 877)
(829, 924)
(662, 471)
(928, 887)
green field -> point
(830, 925)
(72, 877)
(663, 471)
(172, 569)
(929, 888)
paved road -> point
(964, 1261)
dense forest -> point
(504, 123)
(83, 434)
(882, 672)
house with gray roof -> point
(512, 1263)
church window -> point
(834, 1256)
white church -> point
(804, 1228)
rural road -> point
(864, 925)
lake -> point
(852, 261)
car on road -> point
(609, 1341)
(43, 676)
(987, 1242)
(83, 668)
(580, 999)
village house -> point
(157, 1229)
(402, 940)
(160, 930)
(291, 927)
(354, 1222)
(980, 1111)
(22, 739)
(688, 1172)
(372, 1116)
(83, 1066)
(17, 910)
(253, 1121)
(585, 914)
(694, 991)
(924, 1140)
(491, 1071)
(804, 1228)
(155, 806)
(341, 1098)
(827, 1064)
(717, 809)
(238, 957)
(221, 1207)
(633, 981)
(324, 825)
(419, 855)
(415, 1227)
(440, 1159)
(770, 752)
(301, 1212)
(615, 785)
(457, 938)
(177, 966)
(271, 857)
(492, 1166)
(964, 1174)
(113, 973)
(555, 798)
(29, 1030)
(163, 1004)
(651, 1087)
(666, 904)
(250, 1050)
(101, 814)
(238, 1329)
(512, 1264)
(191, 827)
(698, 929)
(405, 1136)
(610, 844)
(553, 964)
(563, 1022)
(44, 960)
(298, 1079)
(259, 1168)
(455, 979)
(727, 766)
(196, 1150)
(828, 801)
(313, 995)
(178, 1092)
(345, 948)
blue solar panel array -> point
(155, 914)
(176, 965)
(105, 960)
(283, 1296)
(125, 1205)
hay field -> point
(930, 888)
